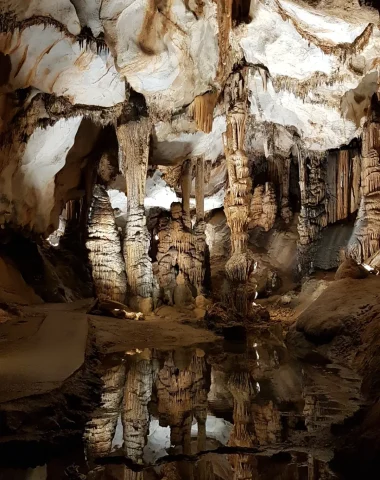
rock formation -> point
(263, 207)
(366, 240)
(263, 93)
(237, 202)
(313, 215)
(134, 140)
(106, 259)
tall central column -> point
(238, 197)
(186, 179)
(134, 141)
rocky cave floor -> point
(303, 386)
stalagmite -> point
(365, 240)
(135, 415)
(181, 249)
(103, 244)
(263, 207)
(134, 141)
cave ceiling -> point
(312, 69)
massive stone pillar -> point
(199, 256)
(186, 180)
(104, 246)
(200, 189)
(134, 141)
(237, 202)
(365, 241)
(313, 216)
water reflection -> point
(217, 411)
(195, 400)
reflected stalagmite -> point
(242, 388)
(103, 244)
(101, 429)
(135, 415)
(182, 394)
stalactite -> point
(135, 415)
(108, 268)
(263, 209)
(134, 141)
(202, 110)
(365, 240)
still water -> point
(227, 410)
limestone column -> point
(200, 189)
(365, 241)
(134, 141)
(200, 227)
(238, 197)
(104, 246)
(186, 180)
(313, 215)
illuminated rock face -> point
(106, 259)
